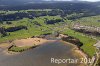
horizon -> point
(75, 0)
(52, 0)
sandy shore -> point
(81, 53)
(77, 50)
(35, 42)
(5, 45)
(23, 43)
(30, 42)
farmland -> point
(38, 26)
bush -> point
(18, 49)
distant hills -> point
(21, 2)
(88, 7)
(15, 2)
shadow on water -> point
(41, 56)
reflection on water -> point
(41, 56)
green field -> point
(88, 42)
(36, 30)
(33, 30)
(90, 21)
(19, 49)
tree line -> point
(53, 21)
(4, 31)
(29, 14)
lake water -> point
(41, 56)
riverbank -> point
(76, 49)
(30, 42)
(21, 45)
(43, 54)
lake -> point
(41, 56)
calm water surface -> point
(41, 56)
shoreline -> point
(25, 43)
(77, 50)
(38, 41)
(30, 42)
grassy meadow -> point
(35, 30)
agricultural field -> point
(90, 21)
(38, 26)
(35, 27)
